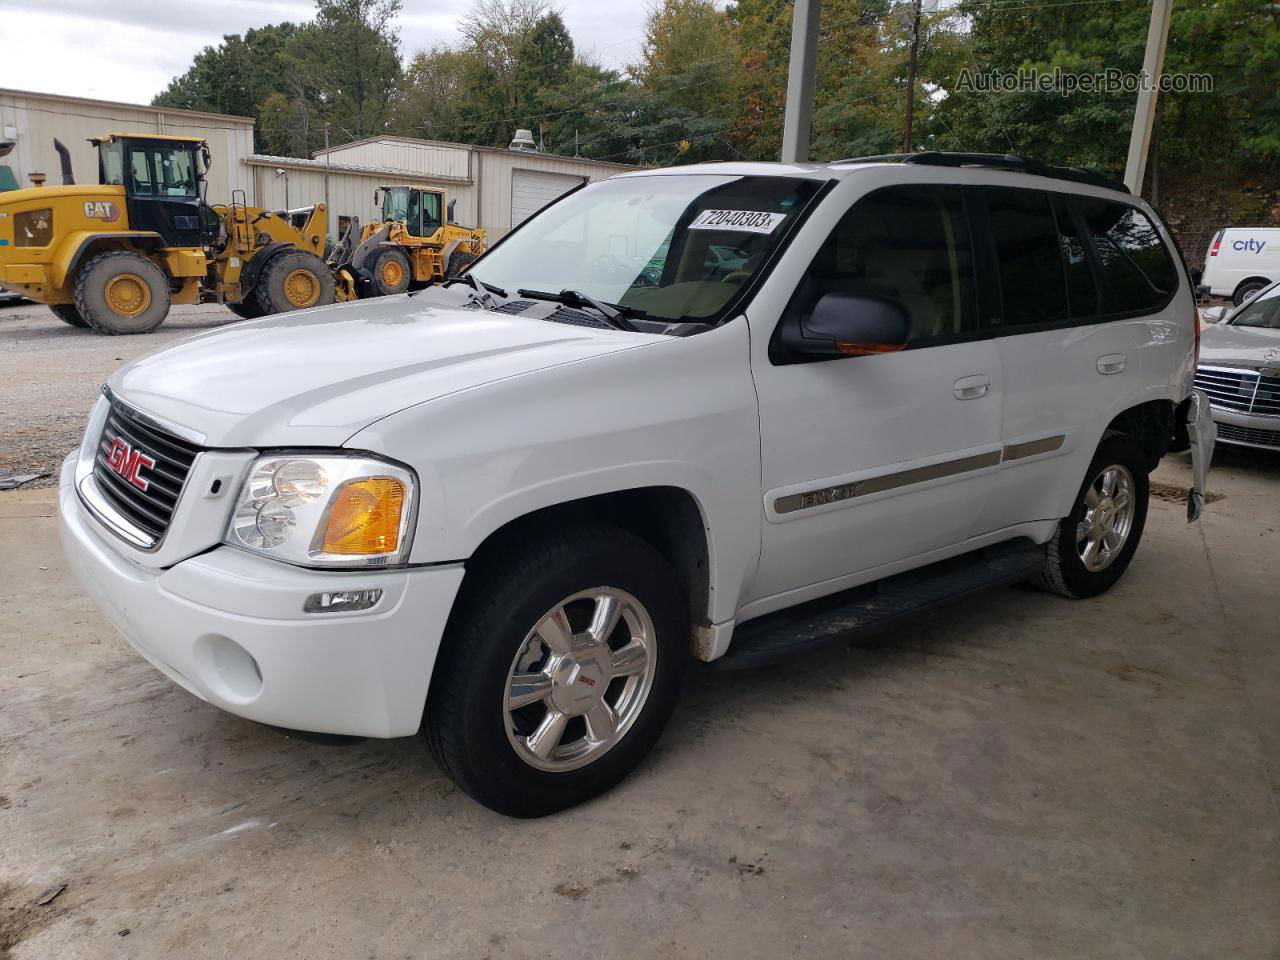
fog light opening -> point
(341, 601)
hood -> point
(317, 377)
(1231, 346)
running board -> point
(858, 613)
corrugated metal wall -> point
(350, 194)
(488, 202)
(38, 118)
(426, 157)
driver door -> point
(872, 461)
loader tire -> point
(122, 293)
(68, 314)
(246, 309)
(390, 270)
(294, 280)
(459, 263)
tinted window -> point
(1028, 257)
(430, 213)
(1137, 270)
(909, 244)
(1082, 290)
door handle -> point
(971, 388)
(1112, 363)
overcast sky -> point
(128, 50)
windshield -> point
(677, 247)
(395, 203)
(1262, 311)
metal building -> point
(30, 121)
(494, 189)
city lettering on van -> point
(1248, 246)
(747, 221)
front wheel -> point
(293, 280)
(1094, 544)
(560, 667)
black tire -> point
(120, 277)
(1247, 289)
(246, 310)
(390, 271)
(504, 596)
(459, 262)
(68, 314)
(1065, 572)
(278, 290)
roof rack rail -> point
(998, 161)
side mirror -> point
(1214, 314)
(849, 324)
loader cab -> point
(421, 211)
(163, 180)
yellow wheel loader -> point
(114, 256)
(414, 244)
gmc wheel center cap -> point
(580, 679)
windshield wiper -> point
(612, 312)
(478, 285)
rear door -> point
(1080, 282)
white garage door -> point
(531, 190)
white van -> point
(1240, 262)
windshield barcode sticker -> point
(747, 221)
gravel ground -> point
(51, 373)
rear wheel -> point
(1094, 544)
(122, 292)
(560, 667)
(68, 314)
(391, 272)
(1247, 291)
(294, 280)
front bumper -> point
(229, 627)
(1247, 430)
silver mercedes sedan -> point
(1240, 370)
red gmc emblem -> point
(129, 462)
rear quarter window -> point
(1138, 273)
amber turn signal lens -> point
(364, 517)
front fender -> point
(680, 412)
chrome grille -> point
(144, 490)
(1230, 433)
(1241, 390)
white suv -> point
(506, 511)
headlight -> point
(340, 511)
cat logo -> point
(103, 210)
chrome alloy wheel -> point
(1109, 508)
(580, 679)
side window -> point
(140, 173)
(1082, 290)
(1137, 270)
(430, 213)
(1033, 287)
(909, 244)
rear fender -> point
(79, 246)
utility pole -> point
(800, 74)
(327, 212)
(911, 75)
(1144, 113)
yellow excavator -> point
(415, 243)
(113, 256)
